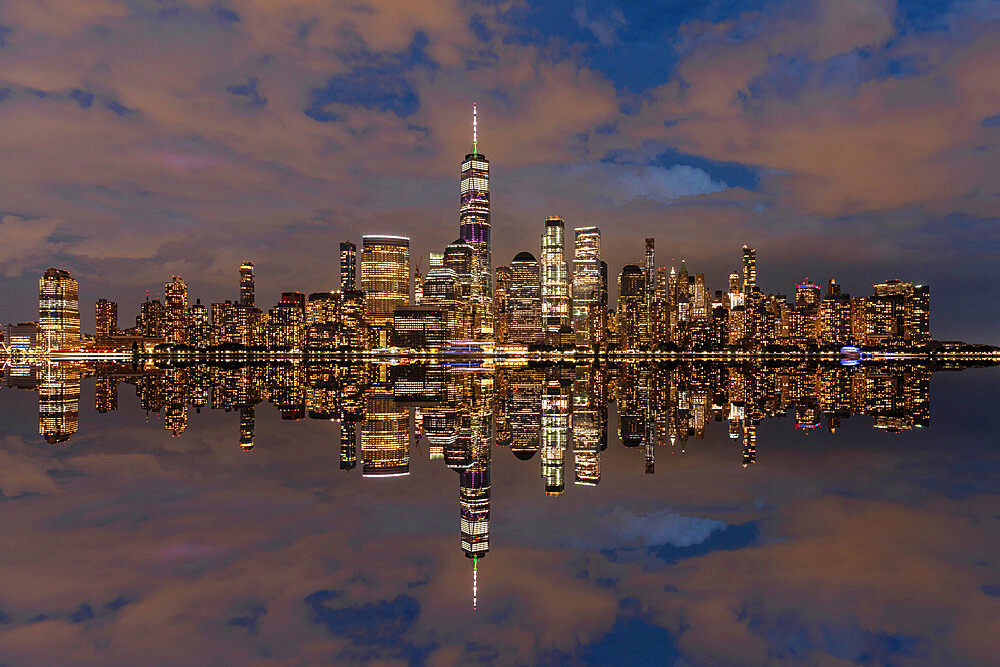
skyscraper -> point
(58, 309)
(586, 283)
(525, 300)
(246, 284)
(501, 304)
(632, 322)
(555, 287)
(474, 226)
(105, 319)
(749, 269)
(385, 276)
(175, 301)
(348, 265)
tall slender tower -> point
(474, 229)
(555, 285)
(246, 284)
(586, 283)
(348, 265)
(749, 269)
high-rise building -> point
(287, 326)
(749, 269)
(201, 331)
(474, 225)
(525, 300)
(501, 304)
(106, 319)
(246, 284)
(555, 287)
(632, 322)
(152, 319)
(58, 309)
(586, 284)
(442, 290)
(348, 265)
(175, 303)
(460, 257)
(385, 277)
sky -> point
(841, 138)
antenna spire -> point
(475, 129)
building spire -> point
(475, 582)
(475, 138)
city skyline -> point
(866, 153)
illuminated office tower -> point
(700, 299)
(749, 269)
(435, 260)
(200, 331)
(501, 304)
(175, 303)
(601, 324)
(152, 318)
(353, 328)
(348, 265)
(385, 277)
(322, 319)
(474, 226)
(918, 315)
(384, 436)
(59, 402)
(807, 293)
(555, 288)
(247, 421)
(525, 300)
(632, 321)
(58, 309)
(246, 284)
(287, 321)
(442, 290)
(586, 284)
(225, 323)
(835, 317)
(460, 257)
(105, 319)
(649, 272)
(554, 435)
(418, 287)
(735, 295)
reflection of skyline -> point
(545, 410)
(383, 411)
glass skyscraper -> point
(586, 283)
(385, 276)
(474, 226)
(58, 309)
(555, 287)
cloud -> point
(26, 243)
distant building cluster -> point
(463, 303)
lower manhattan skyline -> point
(830, 158)
(518, 332)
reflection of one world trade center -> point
(474, 480)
